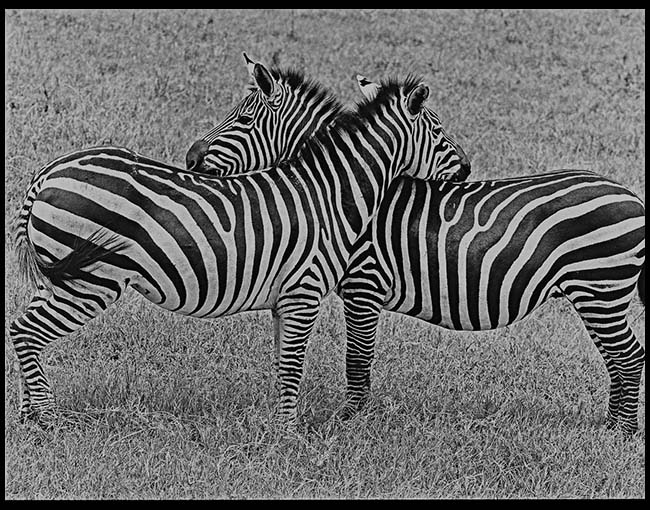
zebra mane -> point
(388, 89)
(328, 105)
(307, 88)
(366, 109)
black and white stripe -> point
(483, 255)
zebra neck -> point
(352, 169)
(310, 122)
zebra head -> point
(434, 154)
(281, 110)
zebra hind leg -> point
(25, 410)
(50, 315)
(624, 358)
(615, 385)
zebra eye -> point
(244, 119)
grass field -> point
(171, 407)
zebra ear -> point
(261, 76)
(250, 65)
(368, 88)
(417, 98)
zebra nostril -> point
(196, 154)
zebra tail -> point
(28, 267)
(36, 272)
(95, 249)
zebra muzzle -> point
(195, 155)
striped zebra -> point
(482, 255)
(314, 107)
(208, 247)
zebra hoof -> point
(286, 425)
(27, 415)
(628, 430)
(347, 413)
(352, 409)
(625, 429)
(44, 418)
(611, 423)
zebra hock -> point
(185, 241)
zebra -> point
(475, 256)
(395, 265)
(212, 246)
(315, 106)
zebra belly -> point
(438, 313)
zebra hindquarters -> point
(52, 314)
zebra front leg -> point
(294, 323)
(361, 320)
(51, 315)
